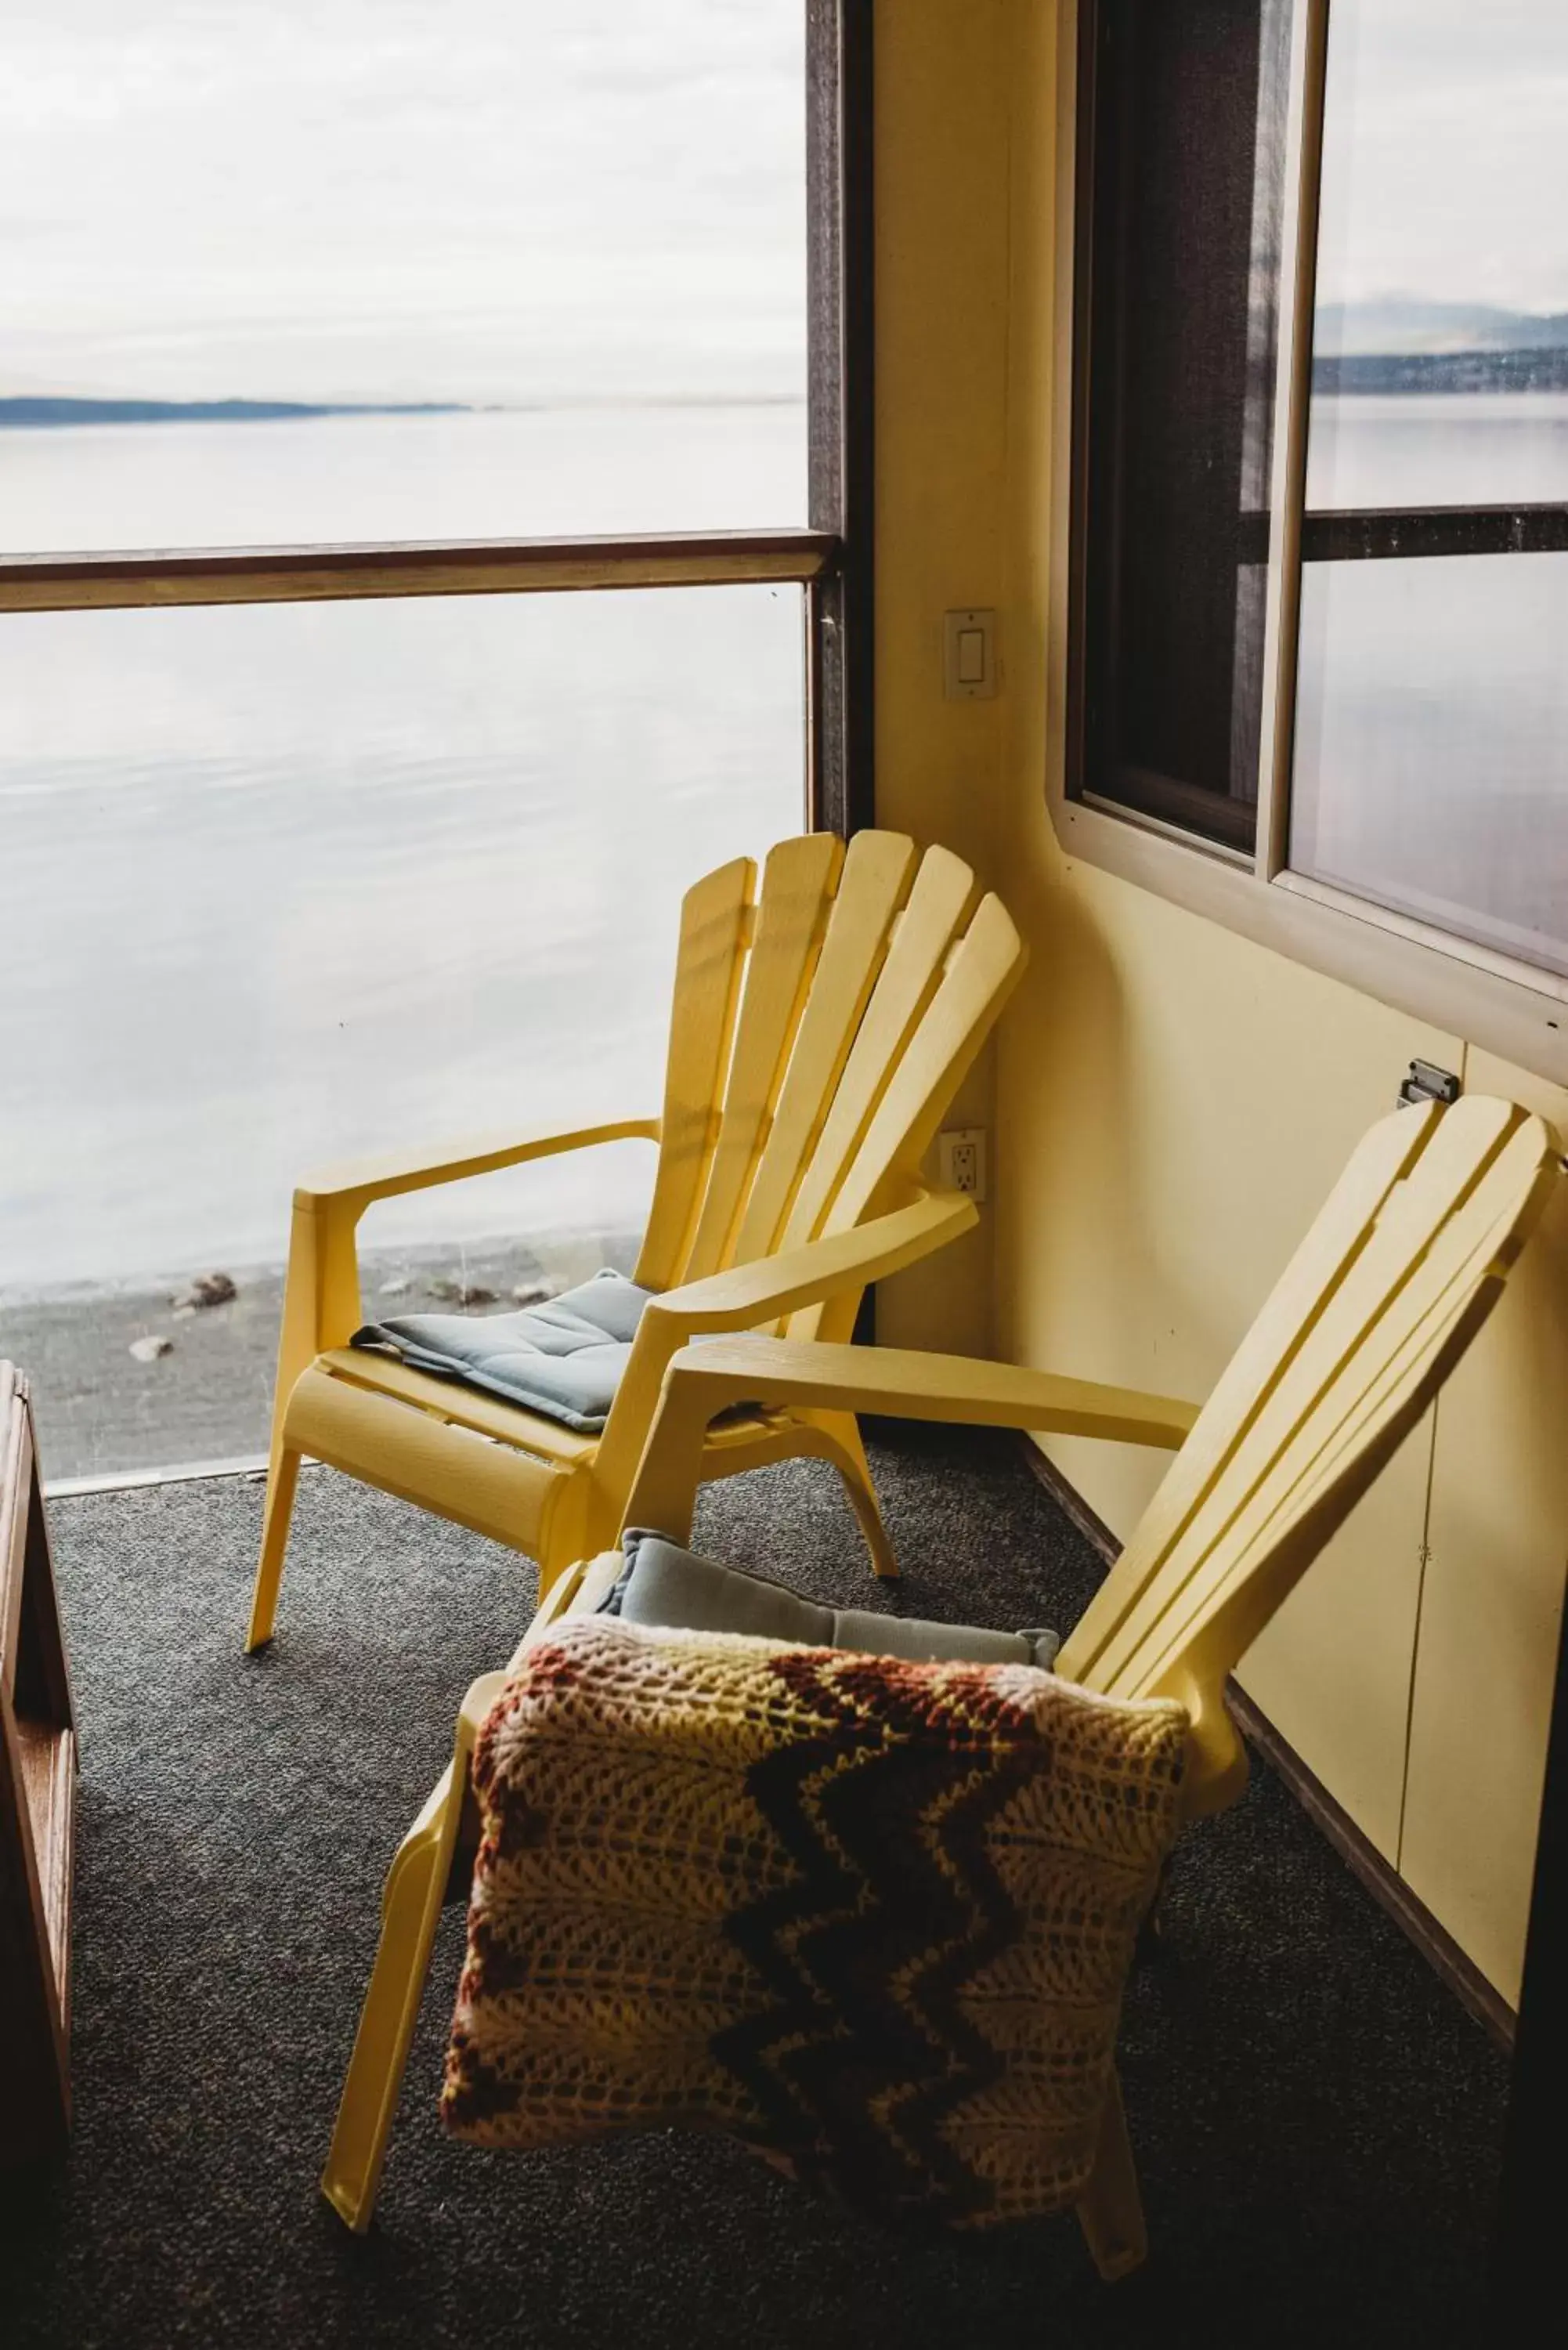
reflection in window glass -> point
(1441, 347)
(1378, 449)
(515, 268)
(282, 884)
(1431, 766)
(1431, 772)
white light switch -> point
(969, 656)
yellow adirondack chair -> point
(1393, 1280)
(819, 1032)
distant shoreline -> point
(43, 413)
(1433, 373)
(1437, 373)
(31, 414)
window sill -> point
(1507, 1008)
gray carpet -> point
(1317, 2123)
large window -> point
(477, 373)
(480, 267)
(1320, 559)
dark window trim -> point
(486, 566)
(841, 310)
(841, 610)
(1227, 824)
(1094, 774)
(1359, 533)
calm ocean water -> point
(1431, 757)
(282, 884)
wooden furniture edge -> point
(37, 1787)
(1455, 1968)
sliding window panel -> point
(1440, 341)
(308, 270)
(282, 884)
(1431, 751)
(1185, 137)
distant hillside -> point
(39, 413)
(1397, 327)
(1473, 370)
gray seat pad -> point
(664, 1586)
(564, 1358)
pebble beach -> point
(206, 1397)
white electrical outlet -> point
(960, 1162)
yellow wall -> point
(1169, 1102)
(941, 372)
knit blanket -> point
(873, 1917)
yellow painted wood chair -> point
(820, 1028)
(1393, 1280)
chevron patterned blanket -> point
(870, 1917)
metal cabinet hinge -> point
(1427, 1082)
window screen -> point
(1182, 166)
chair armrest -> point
(704, 1380)
(749, 1293)
(759, 1292)
(578, 1592)
(905, 1385)
(383, 1177)
(477, 1707)
(321, 1303)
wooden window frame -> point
(831, 559)
(1495, 1001)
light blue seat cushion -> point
(564, 1358)
(665, 1586)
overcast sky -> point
(1446, 162)
(409, 199)
(499, 199)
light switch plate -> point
(968, 655)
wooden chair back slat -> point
(798, 884)
(1393, 1277)
(817, 1038)
(942, 892)
(1341, 1227)
(981, 973)
(1310, 1350)
(1364, 1413)
(876, 880)
(716, 919)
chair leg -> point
(411, 1910)
(566, 1541)
(282, 1480)
(1110, 2209)
(847, 1452)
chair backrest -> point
(1393, 1280)
(821, 1027)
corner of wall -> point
(941, 368)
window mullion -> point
(1292, 409)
